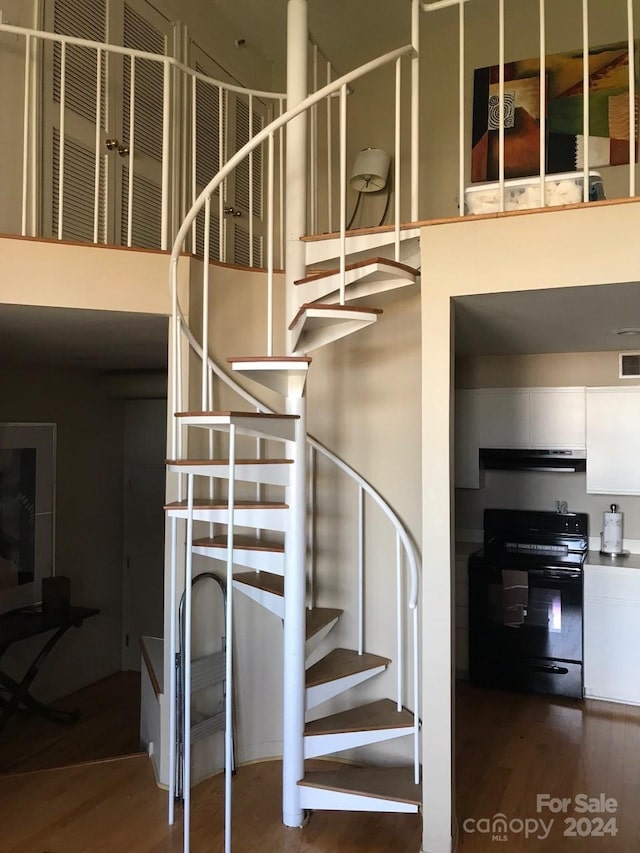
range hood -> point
(553, 461)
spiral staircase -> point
(348, 280)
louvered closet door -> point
(139, 205)
(208, 148)
(76, 207)
(92, 200)
(222, 128)
(246, 184)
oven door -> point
(525, 628)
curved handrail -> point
(276, 124)
(178, 316)
(410, 547)
(138, 54)
(406, 538)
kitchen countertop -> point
(631, 561)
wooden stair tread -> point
(245, 543)
(382, 714)
(262, 580)
(317, 618)
(387, 783)
(324, 306)
(340, 663)
(225, 462)
(207, 503)
(359, 265)
(228, 414)
(289, 359)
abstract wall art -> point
(609, 125)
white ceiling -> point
(573, 319)
(100, 340)
(373, 27)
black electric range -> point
(525, 602)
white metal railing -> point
(624, 8)
(321, 72)
(171, 158)
(407, 562)
(179, 101)
(267, 134)
(406, 553)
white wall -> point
(42, 272)
(88, 516)
(476, 245)
(364, 404)
(213, 32)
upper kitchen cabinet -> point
(613, 441)
(557, 418)
(515, 418)
(467, 443)
(504, 417)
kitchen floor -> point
(546, 773)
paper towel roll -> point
(612, 532)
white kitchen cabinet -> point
(503, 417)
(543, 418)
(612, 633)
(557, 418)
(613, 441)
(467, 464)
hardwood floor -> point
(115, 806)
(511, 747)
(109, 726)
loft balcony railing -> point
(581, 15)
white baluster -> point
(586, 106)
(166, 165)
(98, 147)
(63, 98)
(399, 624)
(360, 570)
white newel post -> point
(294, 625)
(294, 602)
(296, 146)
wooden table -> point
(17, 625)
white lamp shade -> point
(370, 170)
